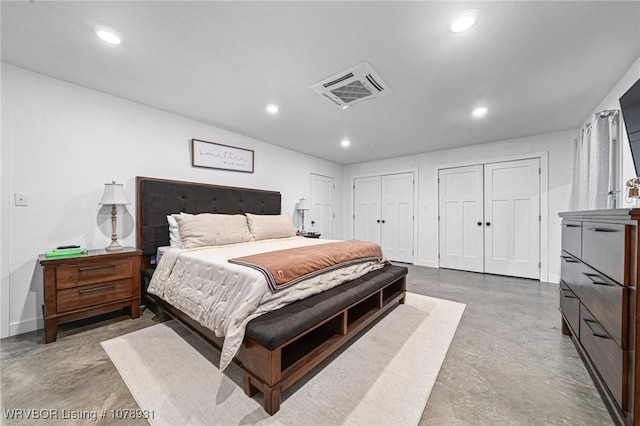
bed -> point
(278, 347)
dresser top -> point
(615, 214)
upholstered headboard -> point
(156, 198)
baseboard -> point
(26, 326)
(426, 263)
(555, 279)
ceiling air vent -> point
(351, 86)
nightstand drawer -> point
(93, 272)
(95, 294)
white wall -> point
(558, 147)
(62, 142)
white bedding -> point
(224, 297)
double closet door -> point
(383, 213)
(489, 218)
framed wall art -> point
(217, 156)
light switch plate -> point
(21, 199)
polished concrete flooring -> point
(507, 365)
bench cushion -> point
(275, 328)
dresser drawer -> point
(607, 301)
(93, 272)
(572, 237)
(570, 307)
(603, 248)
(571, 271)
(606, 356)
(94, 294)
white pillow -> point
(174, 232)
(264, 227)
(208, 229)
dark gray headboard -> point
(156, 198)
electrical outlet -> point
(21, 199)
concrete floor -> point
(508, 363)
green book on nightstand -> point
(66, 252)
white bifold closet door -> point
(383, 213)
(490, 218)
(461, 216)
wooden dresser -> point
(81, 286)
(599, 302)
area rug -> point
(384, 377)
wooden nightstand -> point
(89, 284)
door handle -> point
(479, 223)
(378, 221)
(313, 222)
(488, 223)
(382, 220)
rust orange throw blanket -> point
(284, 268)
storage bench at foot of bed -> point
(280, 347)
(291, 341)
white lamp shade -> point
(113, 194)
(303, 204)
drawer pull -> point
(568, 294)
(595, 333)
(603, 230)
(570, 225)
(93, 268)
(569, 259)
(91, 290)
(594, 280)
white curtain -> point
(595, 164)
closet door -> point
(512, 218)
(460, 192)
(397, 217)
(366, 218)
(321, 214)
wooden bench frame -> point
(273, 371)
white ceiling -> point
(538, 66)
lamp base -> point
(114, 246)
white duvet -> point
(224, 297)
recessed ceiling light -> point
(108, 35)
(345, 143)
(272, 108)
(479, 112)
(464, 21)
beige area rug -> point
(384, 377)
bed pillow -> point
(174, 232)
(270, 226)
(208, 229)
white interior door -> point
(460, 193)
(512, 218)
(397, 216)
(366, 217)
(321, 214)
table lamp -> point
(303, 205)
(114, 196)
